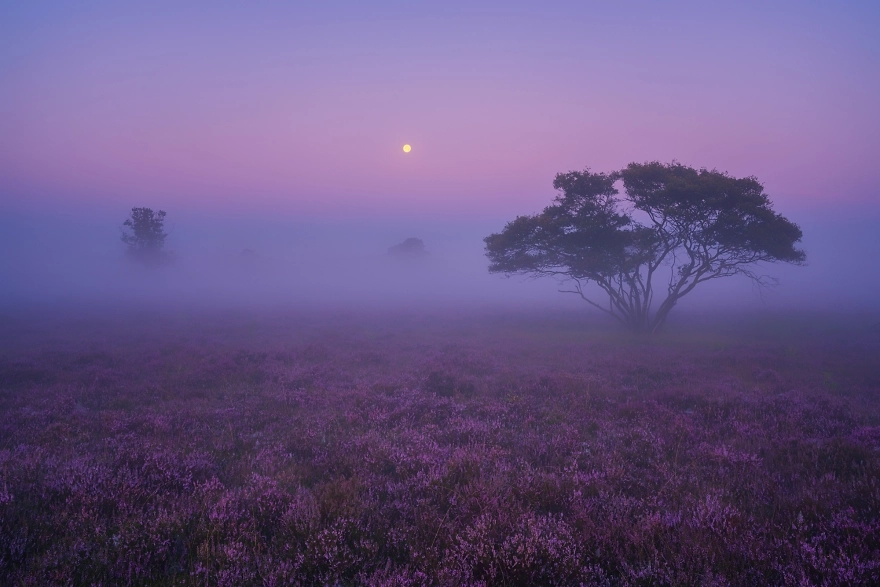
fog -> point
(77, 257)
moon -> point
(407, 148)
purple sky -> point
(284, 110)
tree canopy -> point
(413, 247)
(144, 234)
(673, 224)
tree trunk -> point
(661, 315)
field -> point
(140, 447)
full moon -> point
(407, 148)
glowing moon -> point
(407, 148)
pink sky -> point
(289, 111)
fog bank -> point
(61, 258)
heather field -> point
(140, 447)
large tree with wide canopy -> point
(673, 228)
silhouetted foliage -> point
(698, 225)
(145, 236)
(410, 247)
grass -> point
(279, 449)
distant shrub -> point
(411, 247)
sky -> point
(303, 108)
(250, 117)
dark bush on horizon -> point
(144, 235)
(411, 247)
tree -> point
(413, 247)
(145, 236)
(673, 223)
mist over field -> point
(222, 261)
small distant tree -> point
(144, 234)
(675, 225)
(412, 246)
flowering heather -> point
(435, 451)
